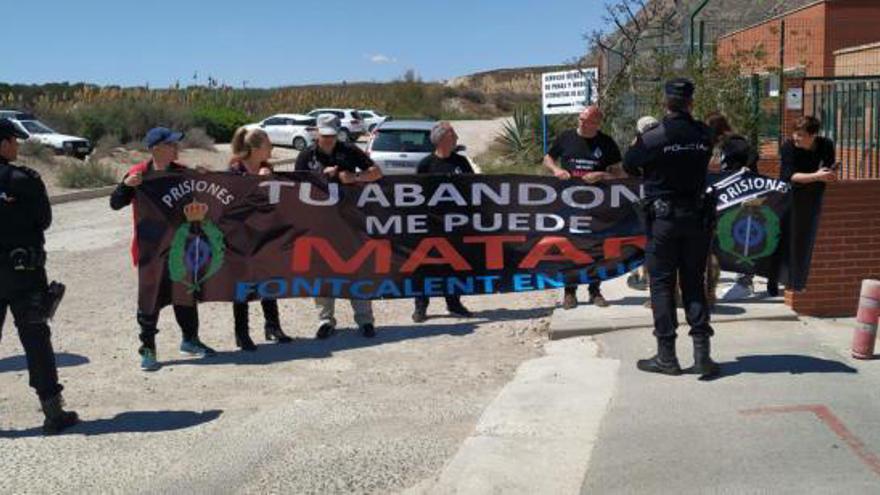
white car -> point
(372, 119)
(289, 129)
(43, 134)
(351, 126)
(398, 146)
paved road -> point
(338, 416)
(793, 413)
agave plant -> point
(518, 136)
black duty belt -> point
(26, 258)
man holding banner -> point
(347, 164)
(444, 160)
(674, 158)
(591, 155)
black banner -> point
(219, 237)
(749, 233)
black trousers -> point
(423, 302)
(22, 292)
(594, 289)
(187, 318)
(677, 249)
(270, 314)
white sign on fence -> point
(566, 92)
(794, 99)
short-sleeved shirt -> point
(798, 160)
(580, 155)
(348, 157)
(453, 164)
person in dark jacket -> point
(163, 146)
(25, 214)
(673, 160)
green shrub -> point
(219, 122)
(197, 138)
(86, 175)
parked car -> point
(43, 134)
(351, 125)
(398, 146)
(289, 129)
(372, 119)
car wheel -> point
(299, 143)
(343, 135)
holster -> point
(26, 258)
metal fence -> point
(849, 109)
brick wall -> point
(847, 250)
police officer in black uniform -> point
(25, 214)
(673, 159)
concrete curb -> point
(538, 434)
(81, 195)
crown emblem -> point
(195, 212)
(754, 203)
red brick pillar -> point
(847, 250)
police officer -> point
(673, 159)
(24, 215)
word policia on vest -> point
(218, 237)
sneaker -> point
(737, 292)
(599, 300)
(325, 331)
(368, 330)
(420, 316)
(459, 310)
(148, 360)
(569, 301)
(195, 347)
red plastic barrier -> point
(865, 334)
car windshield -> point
(412, 141)
(36, 127)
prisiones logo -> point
(749, 233)
(197, 250)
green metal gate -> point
(849, 109)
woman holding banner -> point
(251, 150)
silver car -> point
(398, 146)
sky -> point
(270, 43)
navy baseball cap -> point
(680, 88)
(8, 130)
(161, 135)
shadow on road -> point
(129, 422)
(62, 360)
(309, 348)
(782, 363)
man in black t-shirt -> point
(347, 164)
(588, 154)
(444, 160)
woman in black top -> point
(251, 150)
(808, 162)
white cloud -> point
(379, 58)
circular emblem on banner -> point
(197, 249)
(749, 233)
